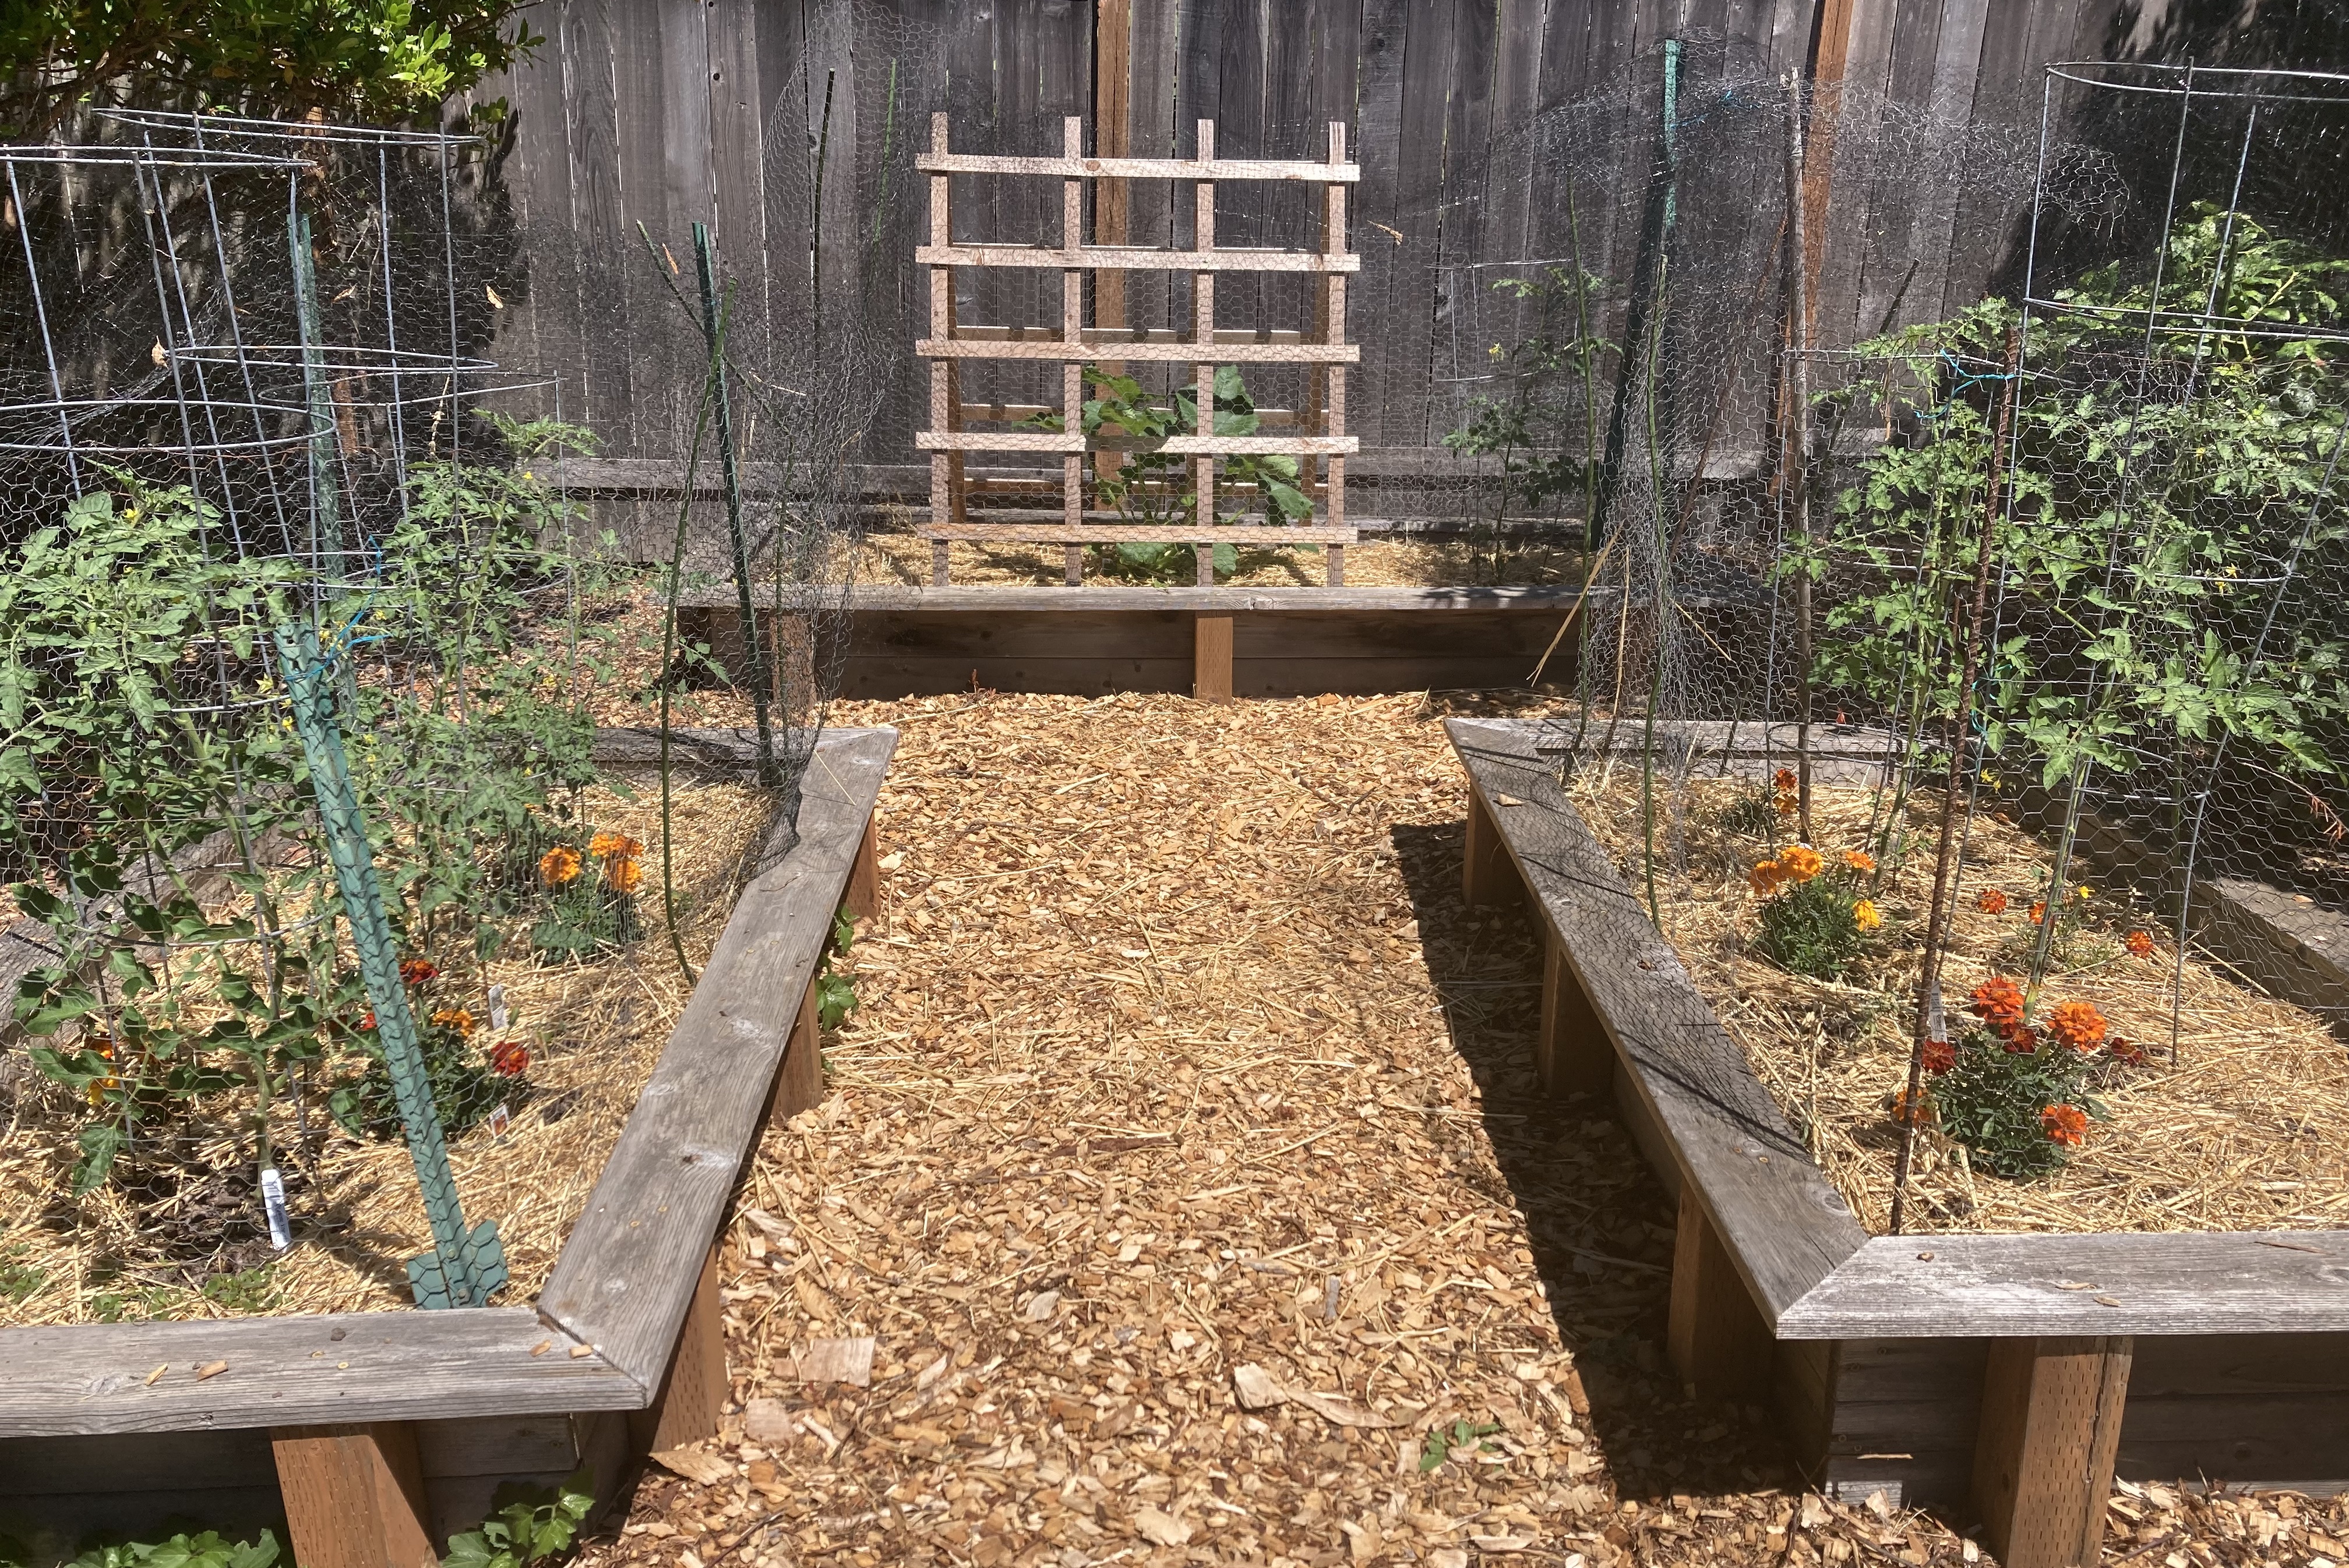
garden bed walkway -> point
(1179, 1054)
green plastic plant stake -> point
(464, 1267)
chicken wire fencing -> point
(292, 674)
(2126, 435)
(761, 350)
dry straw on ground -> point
(1179, 1055)
(2248, 1130)
(594, 1031)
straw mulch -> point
(592, 1030)
(2249, 1130)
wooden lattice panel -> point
(1318, 437)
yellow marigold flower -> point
(1859, 860)
(1801, 862)
(558, 865)
(624, 874)
(1865, 913)
(458, 1018)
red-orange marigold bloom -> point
(2140, 944)
(1801, 862)
(2065, 1123)
(2038, 911)
(2077, 1025)
(511, 1058)
(1998, 1000)
(2018, 1040)
(2127, 1050)
(1940, 1056)
(1990, 901)
(1784, 779)
(416, 971)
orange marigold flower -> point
(509, 1059)
(1867, 915)
(416, 971)
(2140, 944)
(2127, 1050)
(622, 874)
(1911, 1109)
(2077, 1025)
(1859, 860)
(1783, 805)
(1990, 901)
(2018, 1040)
(558, 865)
(1801, 862)
(458, 1018)
(1766, 877)
(2038, 911)
(1784, 779)
(1940, 1056)
(604, 846)
(2065, 1123)
(1998, 1000)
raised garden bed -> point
(373, 1435)
(2008, 1375)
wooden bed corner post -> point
(2043, 1453)
(1488, 875)
(1720, 1344)
(354, 1496)
(864, 895)
(1572, 1054)
(1211, 658)
(799, 1080)
(693, 1390)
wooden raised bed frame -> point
(1957, 1369)
(382, 1432)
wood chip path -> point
(1179, 1055)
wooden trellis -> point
(1324, 352)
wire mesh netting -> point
(2058, 555)
(301, 689)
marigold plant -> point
(2077, 1025)
(2065, 1124)
(2140, 944)
(558, 865)
(1990, 901)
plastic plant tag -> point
(499, 1018)
(500, 1120)
(273, 1200)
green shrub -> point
(533, 1525)
(1997, 1101)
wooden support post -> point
(1572, 1054)
(1720, 1344)
(864, 895)
(799, 1081)
(945, 375)
(1488, 875)
(354, 1496)
(1211, 658)
(2044, 1452)
(1112, 202)
(1331, 310)
(1072, 332)
(1203, 337)
(693, 1389)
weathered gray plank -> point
(1784, 1224)
(628, 1271)
(299, 1371)
(1022, 600)
(2282, 1282)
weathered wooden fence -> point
(662, 111)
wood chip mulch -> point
(1183, 1170)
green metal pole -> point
(754, 650)
(465, 1267)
